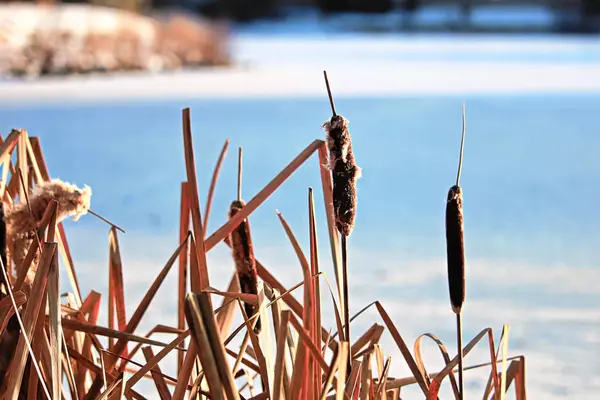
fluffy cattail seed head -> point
(344, 173)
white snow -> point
(359, 64)
(19, 20)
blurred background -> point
(103, 84)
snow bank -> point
(70, 39)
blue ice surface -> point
(530, 169)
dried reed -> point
(243, 250)
(52, 350)
(455, 249)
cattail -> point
(22, 219)
(243, 253)
(344, 174)
(344, 171)
(455, 251)
(455, 248)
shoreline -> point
(371, 79)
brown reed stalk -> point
(242, 250)
(455, 250)
(344, 174)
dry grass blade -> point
(434, 387)
(333, 368)
(245, 297)
(308, 315)
(136, 318)
(213, 183)
(115, 385)
(9, 144)
(261, 196)
(333, 233)
(239, 357)
(102, 331)
(282, 329)
(156, 359)
(315, 352)
(317, 332)
(227, 308)
(505, 331)
(22, 165)
(200, 336)
(344, 355)
(365, 379)
(159, 380)
(379, 392)
(443, 351)
(184, 228)
(190, 166)
(260, 358)
(218, 350)
(55, 328)
(414, 368)
(116, 282)
(185, 371)
(372, 335)
(353, 386)
(15, 372)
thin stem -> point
(329, 94)
(239, 176)
(462, 144)
(346, 297)
(460, 354)
(95, 214)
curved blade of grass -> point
(434, 388)
(446, 357)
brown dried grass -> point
(294, 356)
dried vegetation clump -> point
(50, 342)
(150, 45)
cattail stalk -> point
(344, 174)
(243, 251)
(455, 251)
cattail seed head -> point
(455, 248)
(21, 219)
(243, 256)
(344, 173)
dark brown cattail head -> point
(455, 248)
(243, 256)
(344, 173)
